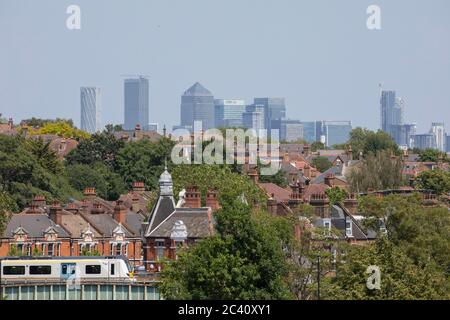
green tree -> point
(336, 195)
(243, 261)
(100, 147)
(370, 142)
(377, 171)
(230, 186)
(322, 163)
(400, 278)
(7, 205)
(23, 175)
(143, 161)
(61, 128)
(317, 145)
(432, 155)
(278, 178)
(46, 156)
(437, 181)
(108, 184)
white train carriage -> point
(66, 268)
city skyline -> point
(311, 60)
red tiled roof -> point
(279, 194)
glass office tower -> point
(90, 102)
(229, 113)
(136, 103)
(197, 104)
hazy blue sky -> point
(316, 53)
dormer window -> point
(348, 229)
(327, 226)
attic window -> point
(348, 229)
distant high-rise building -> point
(403, 134)
(438, 131)
(424, 141)
(309, 131)
(333, 132)
(136, 103)
(229, 113)
(447, 143)
(391, 112)
(90, 101)
(274, 109)
(290, 130)
(197, 104)
(253, 118)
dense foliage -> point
(29, 168)
(369, 142)
(321, 163)
(432, 155)
(244, 260)
(62, 128)
(437, 181)
(377, 171)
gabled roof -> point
(338, 172)
(338, 217)
(161, 211)
(34, 224)
(280, 194)
(197, 222)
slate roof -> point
(338, 217)
(338, 172)
(34, 224)
(134, 222)
(163, 208)
(105, 223)
(76, 224)
(196, 221)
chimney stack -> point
(350, 153)
(329, 180)
(272, 205)
(11, 123)
(120, 212)
(39, 201)
(212, 199)
(253, 174)
(307, 171)
(89, 193)
(138, 187)
(192, 198)
(306, 150)
(56, 213)
(351, 203)
(138, 132)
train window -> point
(64, 269)
(93, 269)
(13, 270)
(40, 269)
(113, 268)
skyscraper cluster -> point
(404, 134)
(199, 106)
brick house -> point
(172, 226)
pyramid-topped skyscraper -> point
(197, 104)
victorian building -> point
(172, 226)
